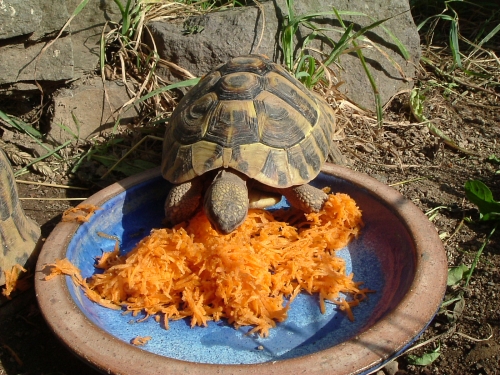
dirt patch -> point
(404, 154)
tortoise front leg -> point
(305, 197)
(183, 200)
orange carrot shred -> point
(12, 279)
(248, 277)
(79, 214)
(140, 341)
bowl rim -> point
(363, 352)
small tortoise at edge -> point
(248, 124)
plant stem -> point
(478, 254)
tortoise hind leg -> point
(305, 197)
(182, 201)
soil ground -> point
(404, 154)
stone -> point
(391, 368)
(19, 61)
(73, 55)
(93, 106)
(202, 42)
(19, 17)
(54, 16)
(86, 29)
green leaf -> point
(425, 359)
(455, 274)
(479, 194)
(494, 159)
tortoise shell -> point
(19, 235)
(250, 115)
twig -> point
(51, 185)
(474, 339)
(457, 229)
(407, 181)
(13, 354)
(130, 151)
(432, 339)
(457, 80)
(391, 166)
(53, 199)
(261, 9)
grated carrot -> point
(140, 341)
(248, 277)
(12, 279)
(79, 214)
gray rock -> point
(86, 29)
(200, 43)
(88, 110)
(73, 55)
(18, 62)
(54, 16)
(19, 17)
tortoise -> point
(19, 235)
(248, 124)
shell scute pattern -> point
(238, 86)
(284, 125)
(296, 97)
(253, 116)
(251, 63)
(233, 123)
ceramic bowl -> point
(398, 254)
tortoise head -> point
(226, 201)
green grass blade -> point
(402, 48)
(290, 9)
(378, 100)
(79, 8)
(186, 83)
(66, 129)
(490, 35)
(76, 166)
(28, 129)
(341, 45)
(399, 44)
(20, 125)
(416, 107)
(120, 7)
(455, 50)
(363, 30)
(337, 50)
(25, 168)
(478, 254)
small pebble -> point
(391, 368)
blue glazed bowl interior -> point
(383, 257)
